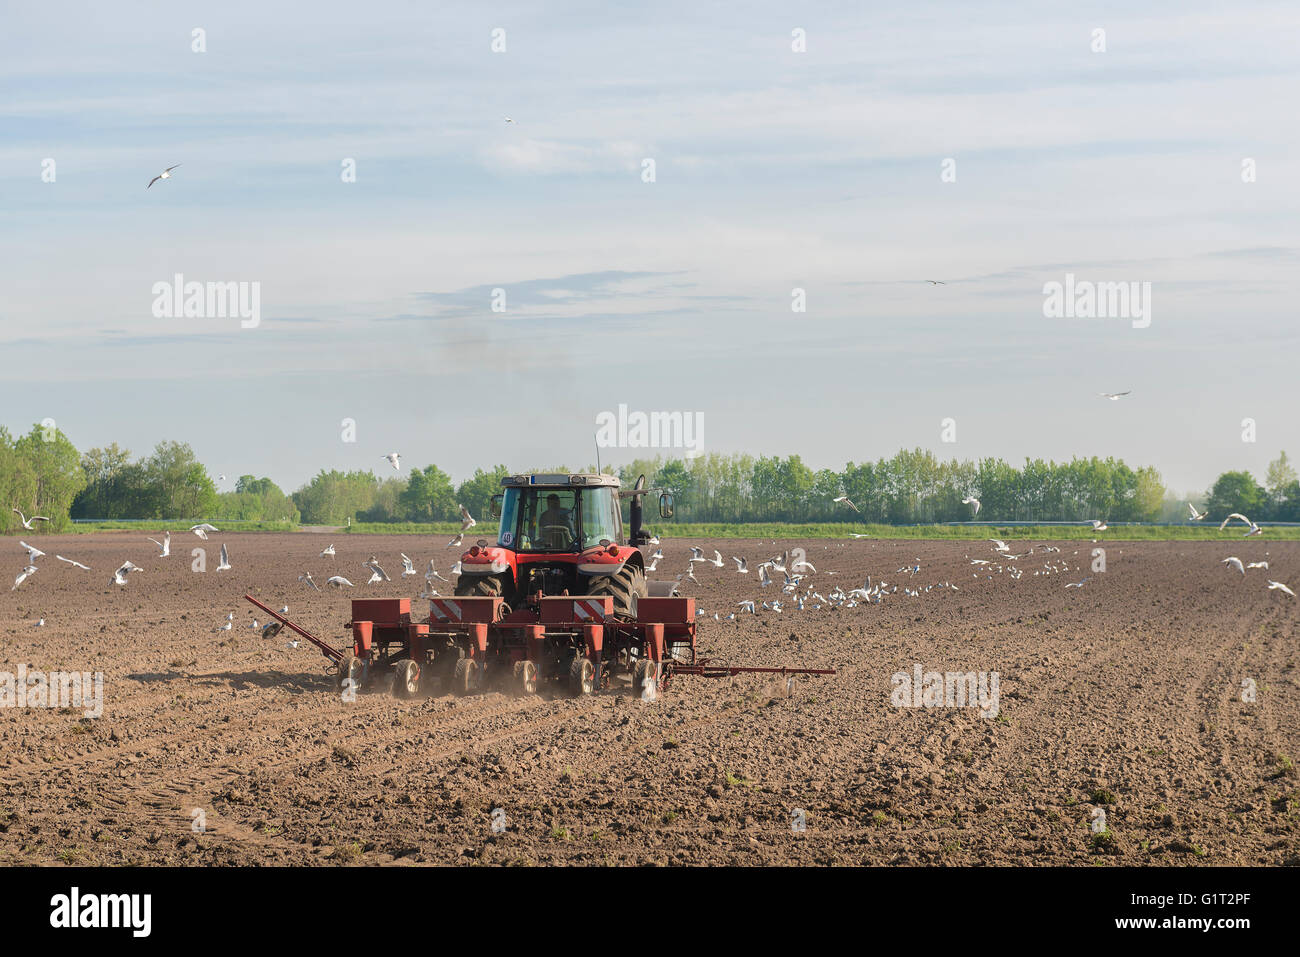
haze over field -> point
(775, 170)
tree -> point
(1278, 480)
(49, 475)
(1235, 492)
(429, 496)
(476, 493)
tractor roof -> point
(560, 480)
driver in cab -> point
(555, 516)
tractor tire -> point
(625, 588)
(465, 679)
(526, 677)
(482, 586)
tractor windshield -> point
(557, 519)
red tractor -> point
(563, 535)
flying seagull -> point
(1254, 529)
(1196, 516)
(25, 574)
(1115, 396)
(202, 530)
(1235, 562)
(338, 581)
(466, 519)
(377, 573)
(844, 500)
(225, 560)
(306, 577)
(33, 553)
(456, 541)
(71, 562)
(408, 566)
(27, 522)
(432, 573)
(119, 576)
(165, 544)
(1272, 585)
(936, 282)
(394, 460)
(165, 174)
(742, 566)
(972, 500)
(1099, 526)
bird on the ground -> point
(306, 577)
(119, 576)
(466, 519)
(71, 562)
(23, 575)
(1278, 586)
(202, 530)
(1235, 562)
(972, 500)
(40, 623)
(33, 552)
(338, 581)
(377, 573)
(27, 522)
(165, 545)
(1196, 516)
(225, 560)
(328, 551)
(165, 174)
(224, 626)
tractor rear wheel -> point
(625, 588)
(482, 586)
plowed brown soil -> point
(1125, 695)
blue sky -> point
(774, 170)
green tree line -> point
(42, 473)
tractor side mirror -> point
(494, 508)
(666, 505)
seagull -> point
(844, 500)
(224, 626)
(25, 574)
(1263, 565)
(1196, 516)
(306, 577)
(40, 624)
(292, 644)
(165, 544)
(455, 569)
(253, 626)
(716, 560)
(408, 566)
(202, 530)
(466, 520)
(999, 545)
(87, 567)
(1079, 584)
(652, 566)
(742, 566)
(394, 460)
(509, 120)
(972, 500)
(764, 578)
(165, 174)
(804, 563)
(119, 576)
(456, 541)
(27, 522)
(33, 552)
(1272, 585)
(697, 554)
(432, 573)
(1115, 396)
(377, 573)
(338, 581)
(1235, 562)
(329, 551)
(747, 605)
(225, 560)
(1099, 526)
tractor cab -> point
(546, 513)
